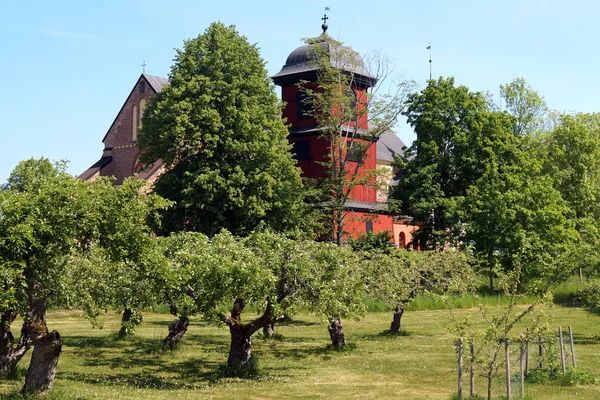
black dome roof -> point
(300, 64)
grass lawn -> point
(298, 365)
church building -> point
(366, 211)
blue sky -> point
(66, 67)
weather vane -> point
(144, 67)
(429, 48)
(325, 18)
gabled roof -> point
(388, 146)
(156, 83)
(94, 169)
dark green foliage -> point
(373, 242)
(456, 135)
(472, 182)
(218, 129)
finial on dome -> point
(325, 18)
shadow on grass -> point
(324, 352)
(143, 363)
(16, 374)
(296, 322)
(387, 334)
(188, 375)
(579, 339)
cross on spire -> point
(325, 18)
(144, 67)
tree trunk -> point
(40, 375)
(176, 331)
(269, 330)
(491, 281)
(46, 350)
(10, 354)
(129, 321)
(240, 349)
(397, 320)
(336, 333)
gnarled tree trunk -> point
(397, 320)
(47, 347)
(240, 349)
(11, 354)
(336, 333)
(130, 319)
(269, 330)
(176, 331)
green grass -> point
(419, 364)
(566, 292)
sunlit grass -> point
(420, 364)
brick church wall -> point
(119, 141)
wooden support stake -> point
(572, 347)
(472, 372)
(460, 366)
(562, 351)
(526, 358)
(507, 362)
(541, 352)
(522, 368)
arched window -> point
(142, 106)
(134, 123)
(402, 240)
(137, 165)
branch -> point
(263, 320)
(226, 320)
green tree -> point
(571, 154)
(49, 216)
(339, 286)
(218, 129)
(527, 107)
(456, 136)
(496, 326)
(516, 219)
(398, 277)
(353, 103)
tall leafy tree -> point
(571, 156)
(456, 136)
(217, 127)
(516, 219)
(527, 107)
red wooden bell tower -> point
(311, 147)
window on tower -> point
(304, 105)
(351, 110)
(301, 150)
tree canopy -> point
(456, 136)
(217, 127)
(47, 218)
